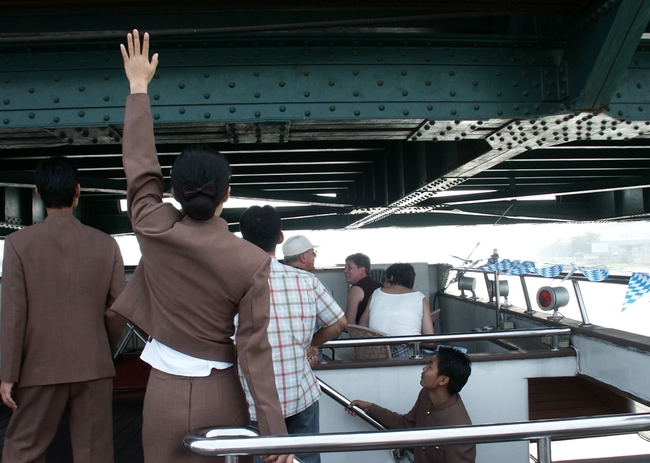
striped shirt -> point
(299, 301)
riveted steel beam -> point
(603, 40)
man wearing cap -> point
(299, 253)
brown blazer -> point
(194, 276)
(58, 280)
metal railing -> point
(454, 337)
(237, 441)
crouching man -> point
(438, 405)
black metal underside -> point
(412, 113)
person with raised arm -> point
(194, 277)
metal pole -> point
(529, 306)
(581, 304)
(544, 450)
(497, 303)
(416, 351)
(203, 443)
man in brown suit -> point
(59, 278)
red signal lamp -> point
(549, 298)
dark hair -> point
(360, 260)
(200, 178)
(401, 274)
(56, 180)
(456, 366)
(261, 226)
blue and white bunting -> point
(638, 286)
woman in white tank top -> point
(396, 309)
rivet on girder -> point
(355, 73)
(6, 121)
(282, 109)
(405, 93)
(156, 116)
(232, 110)
(499, 94)
(380, 83)
(405, 112)
(6, 101)
(81, 114)
(307, 113)
(56, 78)
(429, 107)
(181, 110)
(206, 115)
(107, 118)
(332, 108)
(56, 119)
(156, 97)
(281, 83)
(56, 99)
(82, 88)
(355, 93)
(357, 112)
(31, 115)
(306, 94)
(451, 73)
(382, 107)
(452, 93)
(453, 112)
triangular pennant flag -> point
(639, 285)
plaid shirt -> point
(299, 301)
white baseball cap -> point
(296, 245)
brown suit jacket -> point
(194, 276)
(58, 280)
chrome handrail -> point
(452, 337)
(197, 444)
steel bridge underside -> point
(362, 114)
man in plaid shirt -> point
(298, 301)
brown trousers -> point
(176, 405)
(40, 408)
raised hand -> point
(139, 70)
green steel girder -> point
(272, 83)
(606, 36)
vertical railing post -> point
(497, 294)
(417, 354)
(544, 450)
(581, 305)
(524, 286)
(232, 459)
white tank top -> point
(396, 314)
